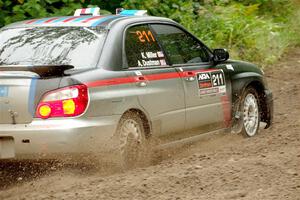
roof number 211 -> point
(145, 36)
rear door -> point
(204, 84)
(157, 84)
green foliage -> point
(254, 30)
(26, 9)
(108, 5)
(12, 11)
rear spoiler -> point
(43, 71)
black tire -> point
(132, 141)
(250, 112)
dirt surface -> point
(226, 166)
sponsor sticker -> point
(138, 73)
(211, 82)
(163, 62)
(230, 67)
(160, 54)
(209, 91)
(3, 91)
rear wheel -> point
(250, 112)
(132, 140)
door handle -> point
(142, 84)
(141, 81)
(190, 79)
(190, 76)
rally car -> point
(92, 83)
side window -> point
(180, 46)
(142, 49)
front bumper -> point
(54, 138)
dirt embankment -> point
(224, 167)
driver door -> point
(205, 85)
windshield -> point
(76, 46)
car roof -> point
(104, 21)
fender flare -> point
(240, 82)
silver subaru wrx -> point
(84, 85)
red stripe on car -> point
(70, 19)
(50, 20)
(92, 18)
(149, 77)
(113, 81)
(31, 21)
(133, 79)
(226, 110)
(154, 77)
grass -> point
(258, 31)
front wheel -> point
(250, 112)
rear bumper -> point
(57, 137)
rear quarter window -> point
(142, 48)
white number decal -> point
(217, 79)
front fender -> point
(242, 80)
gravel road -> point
(225, 166)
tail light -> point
(69, 101)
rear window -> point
(77, 46)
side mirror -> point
(220, 55)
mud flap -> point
(268, 109)
(237, 122)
